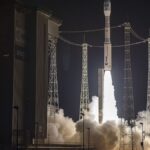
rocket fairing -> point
(107, 43)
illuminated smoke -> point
(105, 136)
(102, 136)
(109, 102)
(60, 129)
(93, 113)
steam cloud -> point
(102, 136)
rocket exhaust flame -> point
(109, 102)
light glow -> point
(94, 109)
(109, 102)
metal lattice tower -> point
(128, 98)
(148, 91)
(53, 102)
(128, 87)
(84, 95)
(148, 85)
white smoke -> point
(101, 136)
(93, 113)
(54, 134)
(94, 108)
(104, 136)
(61, 129)
(109, 135)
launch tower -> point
(128, 100)
(128, 88)
(84, 95)
(53, 99)
(148, 89)
(53, 103)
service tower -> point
(107, 43)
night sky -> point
(88, 14)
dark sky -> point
(88, 14)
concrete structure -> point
(13, 67)
(41, 83)
(24, 74)
(107, 43)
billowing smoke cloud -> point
(60, 129)
(104, 136)
(94, 109)
(93, 113)
(109, 135)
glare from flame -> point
(109, 102)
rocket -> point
(107, 42)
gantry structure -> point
(128, 99)
(148, 92)
(128, 87)
(53, 100)
(148, 85)
(84, 94)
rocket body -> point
(107, 42)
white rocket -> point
(107, 43)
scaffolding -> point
(128, 124)
(147, 128)
(84, 95)
(53, 101)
